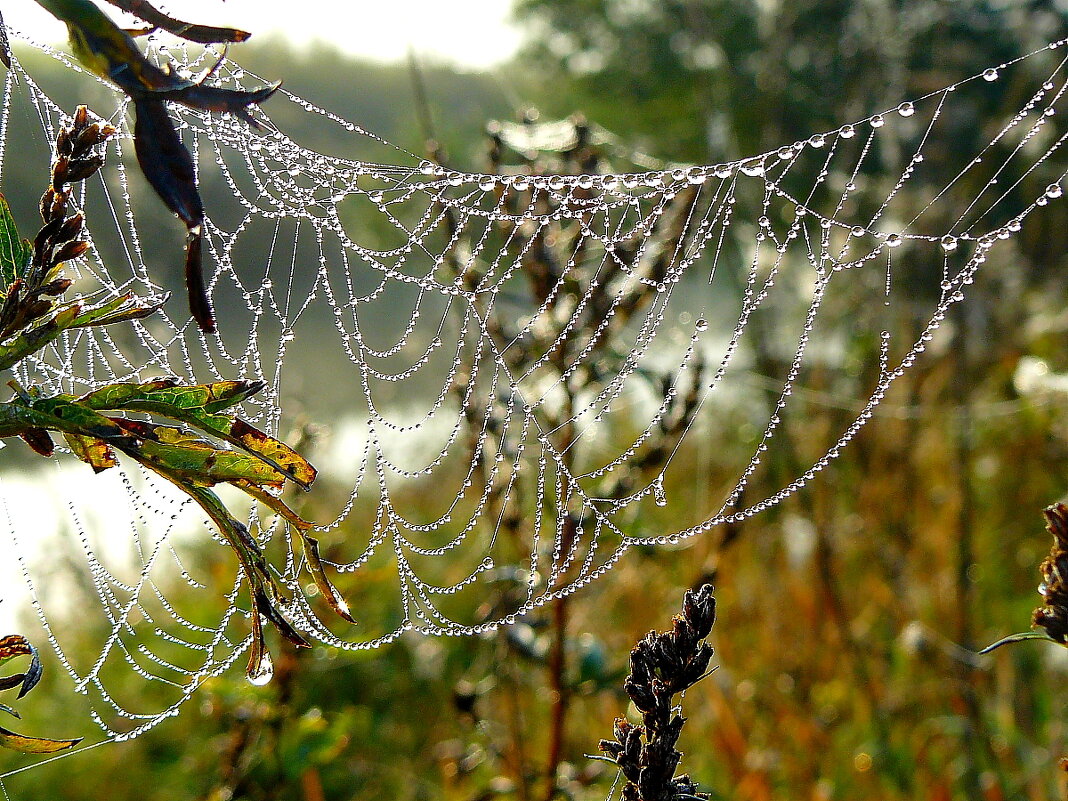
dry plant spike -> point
(661, 666)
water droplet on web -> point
(261, 674)
(426, 167)
(753, 168)
(1054, 191)
(1014, 225)
(906, 109)
(877, 121)
(857, 230)
(990, 74)
(847, 132)
(701, 324)
(817, 141)
(949, 243)
(894, 240)
(659, 496)
(786, 153)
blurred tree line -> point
(847, 612)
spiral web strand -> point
(520, 368)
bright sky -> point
(471, 33)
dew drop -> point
(1054, 191)
(877, 121)
(949, 243)
(906, 109)
(262, 673)
(894, 240)
(426, 167)
(753, 168)
(786, 153)
(990, 74)
(702, 324)
(1014, 225)
(817, 141)
(659, 496)
(857, 230)
(847, 132)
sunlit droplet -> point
(262, 673)
(753, 168)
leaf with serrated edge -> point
(15, 252)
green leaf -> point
(199, 406)
(177, 451)
(15, 253)
(94, 452)
(9, 710)
(33, 745)
(117, 310)
(1024, 635)
(30, 341)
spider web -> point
(526, 372)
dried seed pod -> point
(82, 168)
(69, 250)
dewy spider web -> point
(521, 369)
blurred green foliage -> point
(842, 611)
